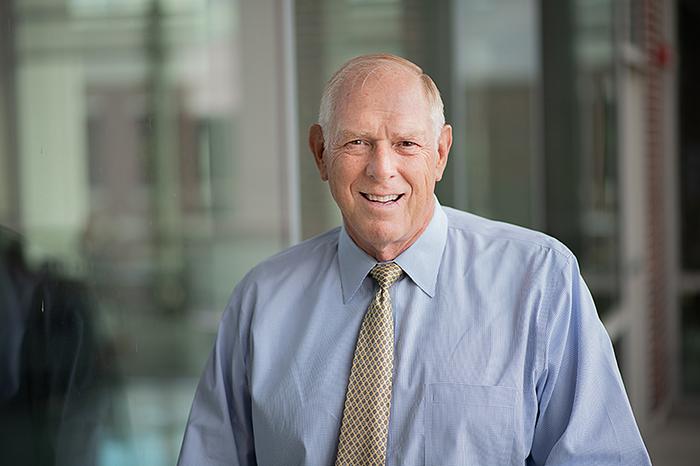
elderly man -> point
(414, 334)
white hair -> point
(364, 66)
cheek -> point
(340, 183)
(343, 173)
(421, 176)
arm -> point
(219, 430)
(584, 414)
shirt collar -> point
(420, 261)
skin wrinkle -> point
(351, 87)
(368, 75)
(363, 68)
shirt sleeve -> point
(584, 415)
(219, 430)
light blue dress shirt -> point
(500, 357)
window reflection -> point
(132, 179)
(59, 383)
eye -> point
(407, 147)
(355, 143)
(356, 146)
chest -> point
(463, 382)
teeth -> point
(387, 198)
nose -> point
(382, 162)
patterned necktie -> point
(363, 432)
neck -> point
(384, 252)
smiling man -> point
(387, 146)
(414, 334)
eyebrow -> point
(407, 136)
(349, 134)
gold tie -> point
(363, 432)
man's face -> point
(382, 160)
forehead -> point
(395, 96)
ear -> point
(443, 150)
(317, 146)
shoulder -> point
(282, 280)
(311, 256)
(506, 237)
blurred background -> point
(152, 151)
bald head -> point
(357, 71)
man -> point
(415, 334)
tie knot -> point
(386, 274)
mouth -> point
(385, 199)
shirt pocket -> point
(469, 424)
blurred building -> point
(156, 150)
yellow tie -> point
(365, 425)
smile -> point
(382, 198)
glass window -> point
(131, 201)
(139, 179)
(689, 166)
(689, 194)
(579, 139)
(493, 109)
(690, 343)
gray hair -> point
(365, 65)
